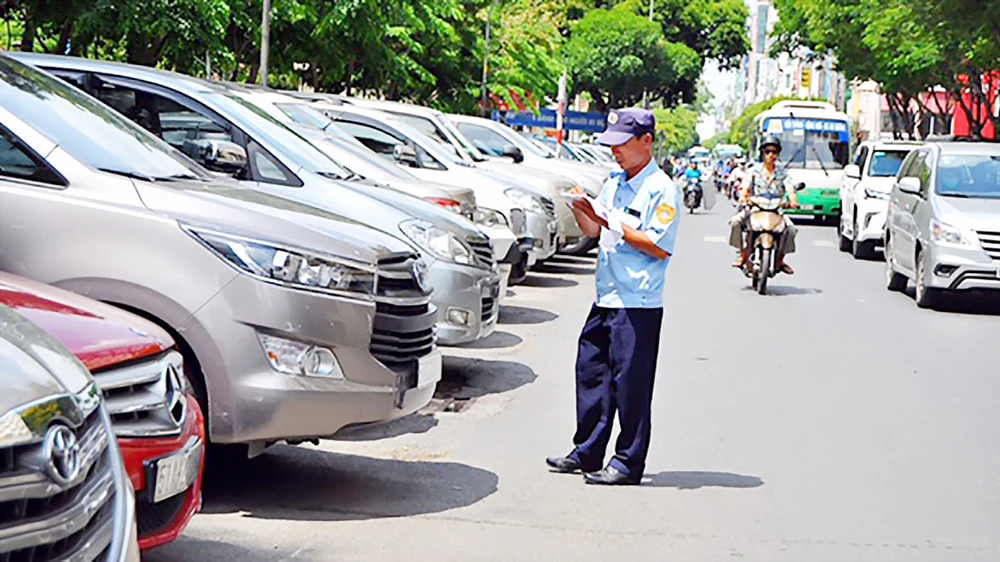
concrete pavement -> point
(830, 421)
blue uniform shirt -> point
(626, 277)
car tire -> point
(894, 281)
(925, 296)
(861, 250)
(845, 242)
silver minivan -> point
(293, 322)
(63, 485)
(943, 223)
(196, 116)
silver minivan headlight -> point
(437, 242)
(290, 266)
(490, 217)
(525, 199)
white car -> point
(864, 194)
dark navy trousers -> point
(615, 368)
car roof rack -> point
(960, 138)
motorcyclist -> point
(765, 177)
(692, 173)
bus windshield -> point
(817, 144)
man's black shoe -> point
(611, 476)
(563, 464)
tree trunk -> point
(65, 34)
(975, 129)
(28, 37)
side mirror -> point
(406, 155)
(217, 155)
(852, 171)
(514, 153)
(909, 185)
(800, 186)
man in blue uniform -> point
(635, 216)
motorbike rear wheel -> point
(764, 267)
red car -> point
(159, 425)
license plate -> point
(176, 473)
(807, 207)
(429, 369)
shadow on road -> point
(588, 259)
(496, 340)
(786, 291)
(696, 479)
(188, 548)
(564, 269)
(408, 425)
(537, 281)
(975, 303)
(525, 315)
(464, 378)
(303, 484)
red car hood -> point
(99, 335)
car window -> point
(424, 125)
(485, 139)
(86, 129)
(886, 163)
(969, 175)
(922, 171)
(385, 144)
(17, 161)
(861, 157)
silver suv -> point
(293, 322)
(943, 224)
(63, 487)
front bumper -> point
(502, 238)
(249, 401)
(545, 233)
(568, 227)
(467, 300)
(871, 220)
(959, 268)
(164, 521)
(817, 202)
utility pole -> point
(645, 94)
(208, 64)
(265, 41)
(486, 60)
(561, 114)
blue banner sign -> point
(777, 125)
(575, 120)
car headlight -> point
(947, 234)
(439, 243)
(875, 194)
(291, 266)
(490, 217)
(525, 199)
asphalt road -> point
(831, 421)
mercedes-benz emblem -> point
(420, 275)
(176, 403)
(63, 451)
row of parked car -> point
(190, 264)
(934, 208)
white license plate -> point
(176, 473)
(429, 369)
(807, 207)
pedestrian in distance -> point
(635, 216)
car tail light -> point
(449, 204)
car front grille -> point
(483, 250)
(43, 519)
(550, 207)
(145, 398)
(991, 242)
(403, 329)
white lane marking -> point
(823, 243)
(716, 239)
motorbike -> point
(692, 194)
(766, 226)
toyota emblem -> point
(63, 451)
(420, 276)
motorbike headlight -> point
(947, 234)
(291, 266)
(875, 194)
(439, 243)
(490, 217)
(525, 199)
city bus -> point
(815, 147)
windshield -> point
(885, 163)
(816, 144)
(291, 144)
(303, 114)
(969, 175)
(87, 130)
(464, 143)
(433, 147)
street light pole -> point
(265, 41)
(486, 59)
(645, 94)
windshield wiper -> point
(131, 175)
(959, 195)
(820, 160)
(180, 177)
(351, 176)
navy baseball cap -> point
(623, 124)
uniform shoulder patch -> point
(665, 214)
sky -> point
(719, 83)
